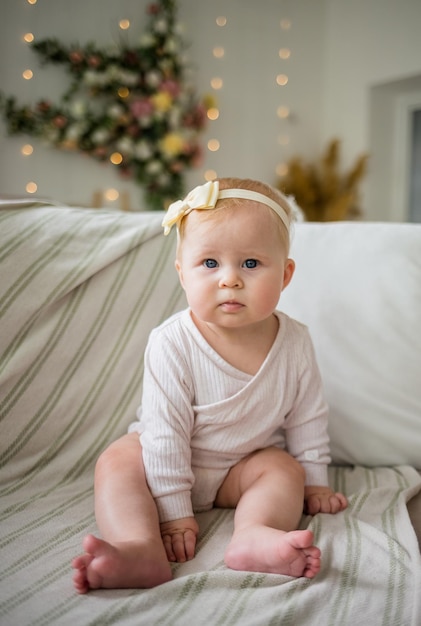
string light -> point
(283, 111)
(27, 149)
(282, 79)
(116, 158)
(213, 145)
(213, 113)
(217, 83)
(111, 194)
(218, 52)
(210, 175)
(282, 169)
(32, 187)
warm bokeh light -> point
(111, 194)
(28, 37)
(31, 187)
(124, 24)
(213, 145)
(116, 158)
(123, 92)
(281, 169)
(27, 74)
(284, 53)
(210, 175)
(221, 20)
(282, 79)
(283, 111)
(213, 113)
(27, 149)
(217, 83)
(218, 52)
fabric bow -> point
(201, 197)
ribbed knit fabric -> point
(200, 414)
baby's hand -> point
(323, 500)
(179, 538)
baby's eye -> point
(210, 263)
(250, 263)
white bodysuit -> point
(200, 415)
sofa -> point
(80, 291)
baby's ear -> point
(289, 270)
(179, 271)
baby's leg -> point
(267, 489)
(131, 553)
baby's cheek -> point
(267, 300)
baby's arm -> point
(323, 500)
(167, 419)
(179, 538)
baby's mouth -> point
(231, 305)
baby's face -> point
(233, 265)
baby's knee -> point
(283, 462)
(118, 454)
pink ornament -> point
(141, 108)
(171, 87)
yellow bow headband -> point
(206, 196)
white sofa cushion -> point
(358, 287)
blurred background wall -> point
(352, 68)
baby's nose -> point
(230, 278)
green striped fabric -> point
(80, 291)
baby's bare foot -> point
(264, 549)
(123, 565)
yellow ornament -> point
(162, 101)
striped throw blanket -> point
(80, 291)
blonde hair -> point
(231, 203)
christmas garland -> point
(130, 105)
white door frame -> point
(406, 104)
